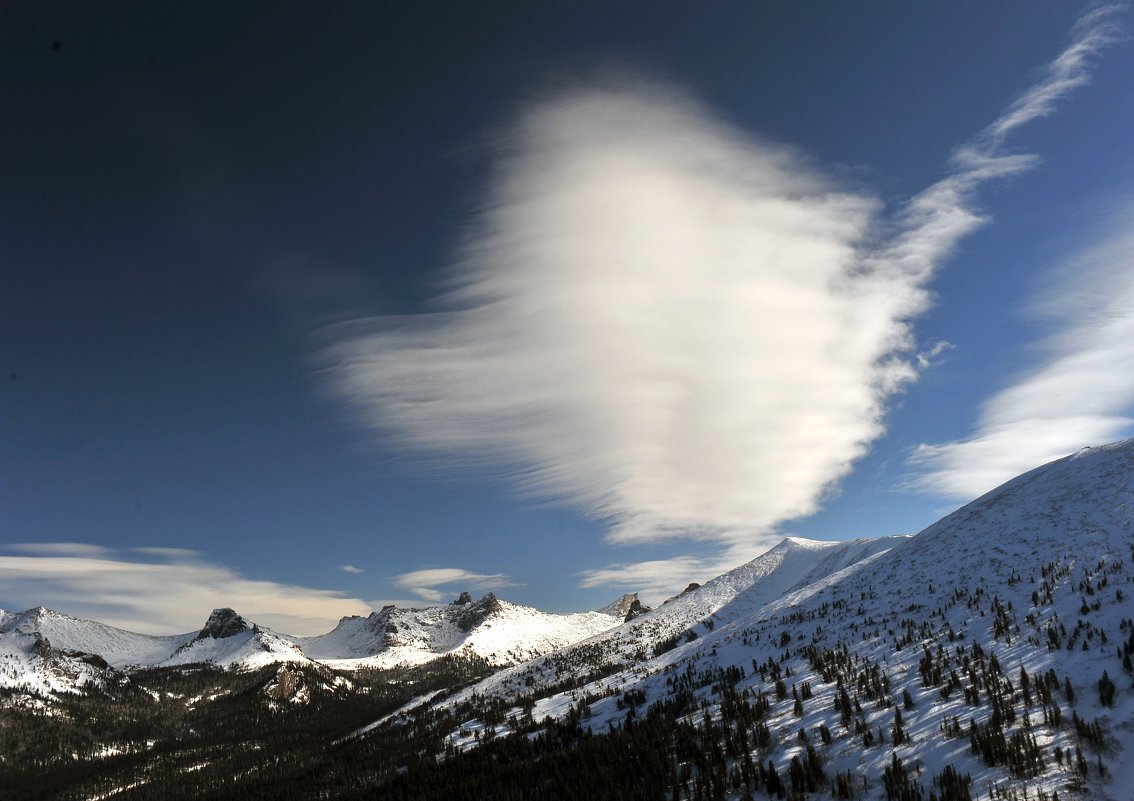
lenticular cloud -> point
(655, 318)
(677, 328)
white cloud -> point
(352, 569)
(677, 328)
(928, 357)
(171, 595)
(424, 583)
(1080, 393)
(427, 594)
(655, 320)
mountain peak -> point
(476, 613)
(622, 606)
(224, 623)
(802, 543)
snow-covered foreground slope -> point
(980, 643)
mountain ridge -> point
(488, 627)
(991, 654)
(1032, 575)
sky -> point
(305, 310)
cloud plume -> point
(656, 319)
(680, 329)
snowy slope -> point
(29, 665)
(1030, 585)
(118, 647)
(741, 592)
(986, 636)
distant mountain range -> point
(48, 652)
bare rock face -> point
(636, 609)
(284, 685)
(620, 607)
(224, 623)
(462, 599)
(476, 613)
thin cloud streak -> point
(1094, 31)
(81, 549)
(1081, 392)
(424, 583)
(681, 330)
(172, 595)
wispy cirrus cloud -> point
(671, 325)
(1094, 31)
(1079, 392)
(81, 549)
(172, 592)
(424, 583)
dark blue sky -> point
(191, 197)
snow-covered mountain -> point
(500, 632)
(118, 647)
(997, 641)
(990, 655)
(49, 652)
(228, 640)
(736, 595)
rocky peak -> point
(224, 623)
(30, 620)
(474, 614)
(622, 606)
(462, 599)
(636, 608)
